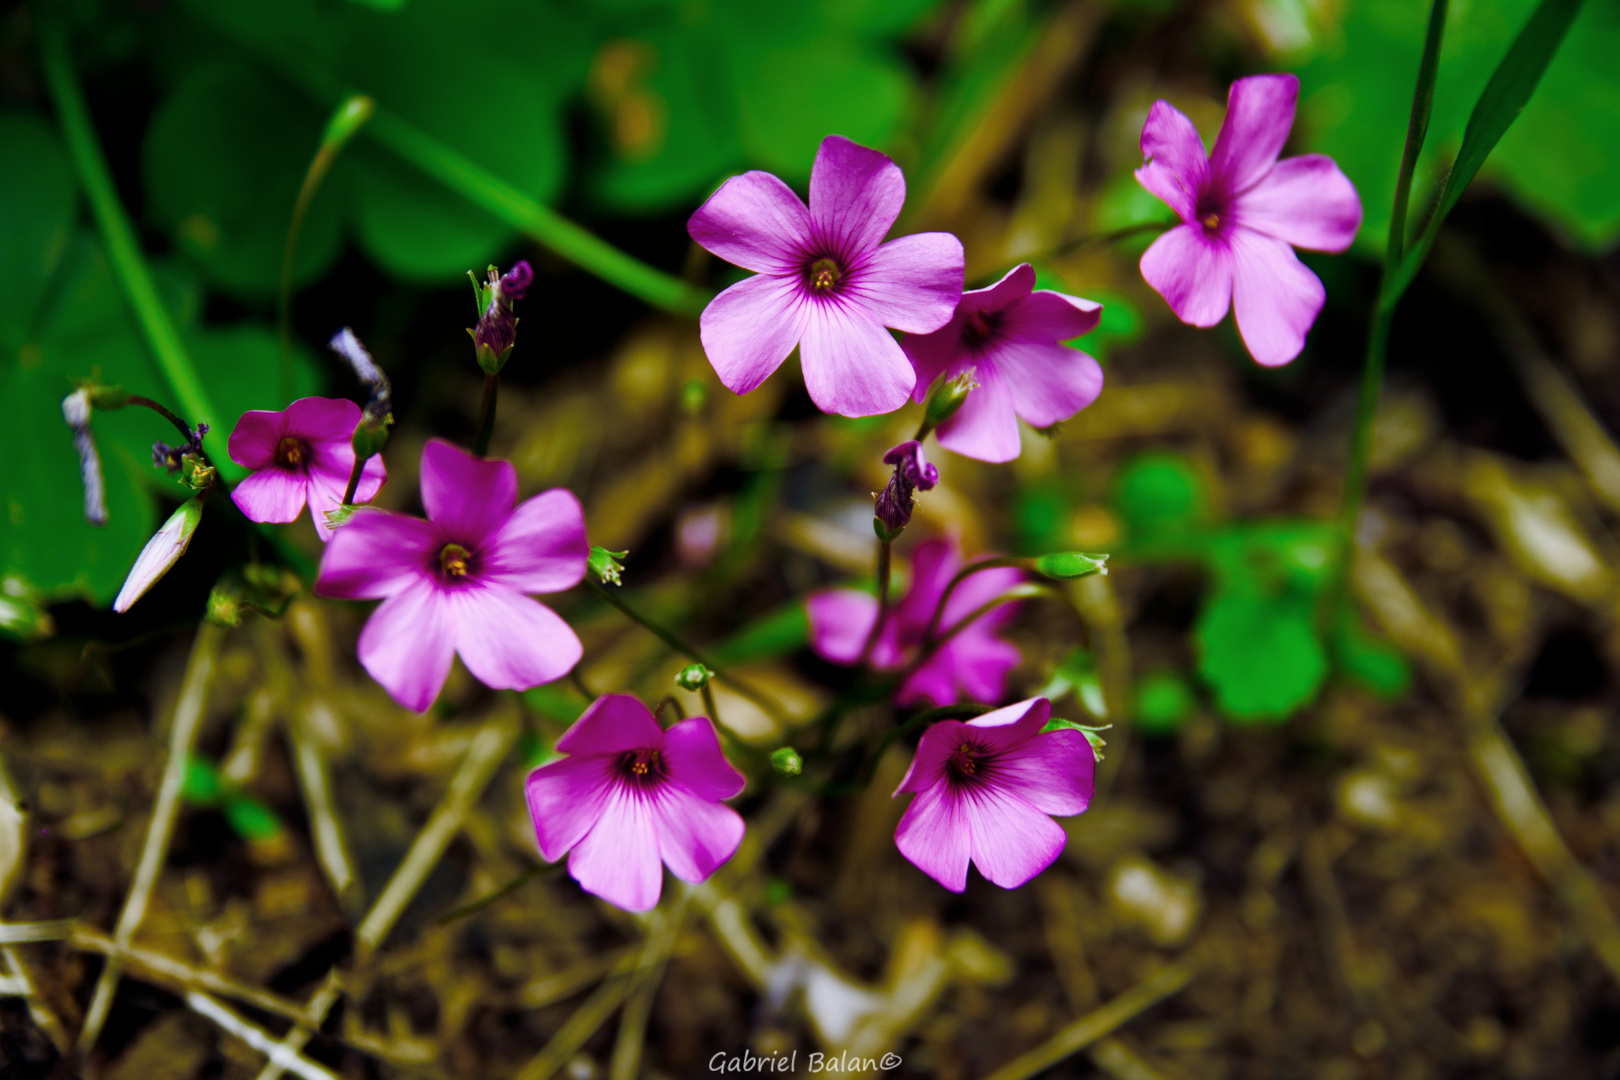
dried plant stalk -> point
(235, 1025)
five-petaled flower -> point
(824, 280)
(456, 583)
(302, 455)
(984, 790)
(1241, 210)
(631, 798)
(971, 665)
(1009, 335)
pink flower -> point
(972, 665)
(1242, 208)
(301, 455)
(455, 583)
(1009, 336)
(984, 789)
(824, 280)
(631, 798)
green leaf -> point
(223, 160)
(1159, 494)
(1078, 672)
(36, 218)
(554, 703)
(1164, 701)
(1093, 734)
(251, 819)
(1260, 655)
(783, 631)
(1370, 662)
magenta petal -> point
(852, 365)
(933, 750)
(933, 564)
(1275, 296)
(748, 330)
(1055, 771)
(1259, 115)
(613, 724)
(1193, 272)
(855, 196)
(981, 661)
(467, 497)
(1016, 723)
(1011, 840)
(255, 438)
(986, 426)
(542, 547)
(840, 620)
(618, 859)
(377, 554)
(935, 354)
(322, 420)
(408, 643)
(565, 800)
(1047, 382)
(1051, 316)
(1307, 201)
(696, 762)
(326, 491)
(911, 283)
(510, 641)
(933, 834)
(1174, 165)
(756, 222)
(271, 494)
(695, 835)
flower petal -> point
(911, 283)
(986, 426)
(1055, 771)
(933, 564)
(972, 666)
(927, 767)
(1047, 382)
(855, 196)
(326, 490)
(467, 497)
(840, 620)
(618, 859)
(1011, 841)
(1307, 201)
(256, 437)
(852, 365)
(1193, 272)
(1275, 296)
(542, 547)
(696, 762)
(695, 836)
(1014, 724)
(510, 641)
(756, 222)
(322, 420)
(272, 494)
(1259, 115)
(1174, 166)
(377, 554)
(939, 353)
(933, 834)
(408, 642)
(748, 330)
(1050, 316)
(565, 799)
(613, 724)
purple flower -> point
(912, 473)
(972, 665)
(631, 798)
(1241, 209)
(1009, 336)
(984, 789)
(303, 454)
(456, 583)
(824, 280)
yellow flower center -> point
(453, 561)
(291, 452)
(824, 274)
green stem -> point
(486, 414)
(932, 645)
(669, 638)
(961, 576)
(123, 250)
(146, 402)
(707, 691)
(354, 480)
(885, 567)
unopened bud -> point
(1071, 564)
(496, 332)
(912, 473)
(605, 564)
(224, 607)
(946, 399)
(160, 553)
(76, 411)
(787, 761)
(693, 677)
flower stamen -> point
(292, 452)
(824, 274)
(1210, 221)
(453, 561)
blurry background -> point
(1313, 815)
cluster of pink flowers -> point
(630, 797)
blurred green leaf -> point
(1078, 672)
(782, 631)
(1158, 494)
(554, 703)
(1260, 655)
(36, 215)
(1164, 701)
(1372, 663)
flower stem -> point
(669, 638)
(136, 399)
(932, 645)
(486, 414)
(884, 572)
(354, 480)
(707, 690)
(961, 576)
(123, 250)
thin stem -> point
(933, 645)
(578, 680)
(1112, 236)
(475, 906)
(136, 399)
(884, 569)
(668, 638)
(354, 480)
(669, 701)
(123, 250)
(486, 414)
(961, 576)
(709, 706)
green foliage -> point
(249, 818)
(767, 637)
(1159, 494)
(1078, 672)
(1371, 663)
(1559, 158)
(1163, 702)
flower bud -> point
(496, 332)
(912, 473)
(605, 564)
(693, 677)
(1071, 564)
(76, 411)
(787, 761)
(160, 553)
(946, 399)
